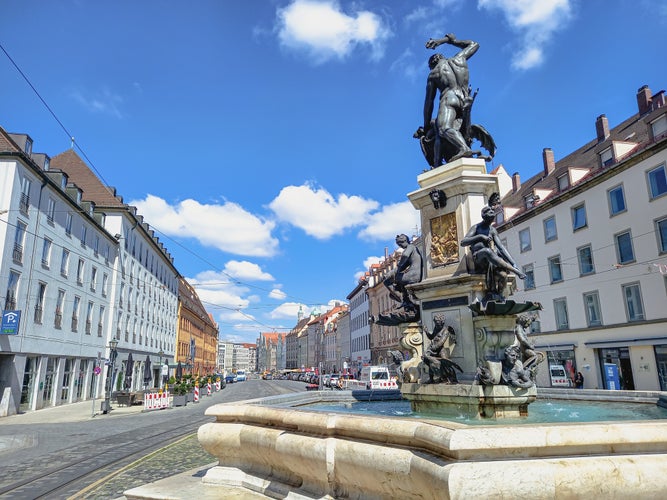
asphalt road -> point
(57, 460)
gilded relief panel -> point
(444, 241)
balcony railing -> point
(75, 324)
(24, 203)
(38, 314)
(89, 326)
(17, 253)
(99, 330)
(58, 320)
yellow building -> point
(196, 335)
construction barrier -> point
(196, 399)
(208, 388)
(156, 400)
(217, 384)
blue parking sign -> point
(10, 322)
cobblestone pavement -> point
(156, 465)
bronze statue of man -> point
(408, 271)
(448, 137)
(489, 254)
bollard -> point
(196, 400)
(208, 388)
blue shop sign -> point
(10, 322)
(611, 376)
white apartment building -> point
(590, 232)
(76, 273)
(360, 329)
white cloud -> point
(277, 294)
(289, 310)
(390, 221)
(227, 227)
(216, 290)
(244, 270)
(102, 101)
(318, 213)
(535, 21)
(324, 31)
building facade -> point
(590, 233)
(197, 334)
(360, 330)
(73, 284)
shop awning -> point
(556, 347)
(627, 342)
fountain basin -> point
(294, 453)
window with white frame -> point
(634, 307)
(616, 198)
(79, 271)
(607, 157)
(661, 233)
(550, 232)
(105, 283)
(578, 217)
(64, 263)
(51, 211)
(657, 182)
(585, 257)
(659, 127)
(93, 279)
(12, 291)
(24, 202)
(46, 253)
(60, 304)
(19, 240)
(529, 282)
(624, 250)
(592, 306)
(96, 245)
(560, 312)
(563, 182)
(524, 240)
(84, 233)
(555, 270)
(75, 313)
(68, 224)
(100, 322)
(89, 317)
(39, 304)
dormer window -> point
(607, 157)
(28, 146)
(563, 182)
(659, 127)
(529, 201)
(47, 163)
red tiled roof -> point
(80, 174)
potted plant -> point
(180, 394)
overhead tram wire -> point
(106, 184)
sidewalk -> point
(74, 412)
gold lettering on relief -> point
(444, 241)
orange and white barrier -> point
(217, 384)
(156, 400)
(196, 399)
(208, 388)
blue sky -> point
(269, 143)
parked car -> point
(230, 379)
(240, 376)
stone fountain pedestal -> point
(497, 401)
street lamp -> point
(161, 353)
(106, 404)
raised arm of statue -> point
(468, 47)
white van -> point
(240, 376)
(558, 376)
(373, 377)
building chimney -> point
(644, 99)
(602, 127)
(516, 182)
(548, 160)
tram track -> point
(66, 479)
